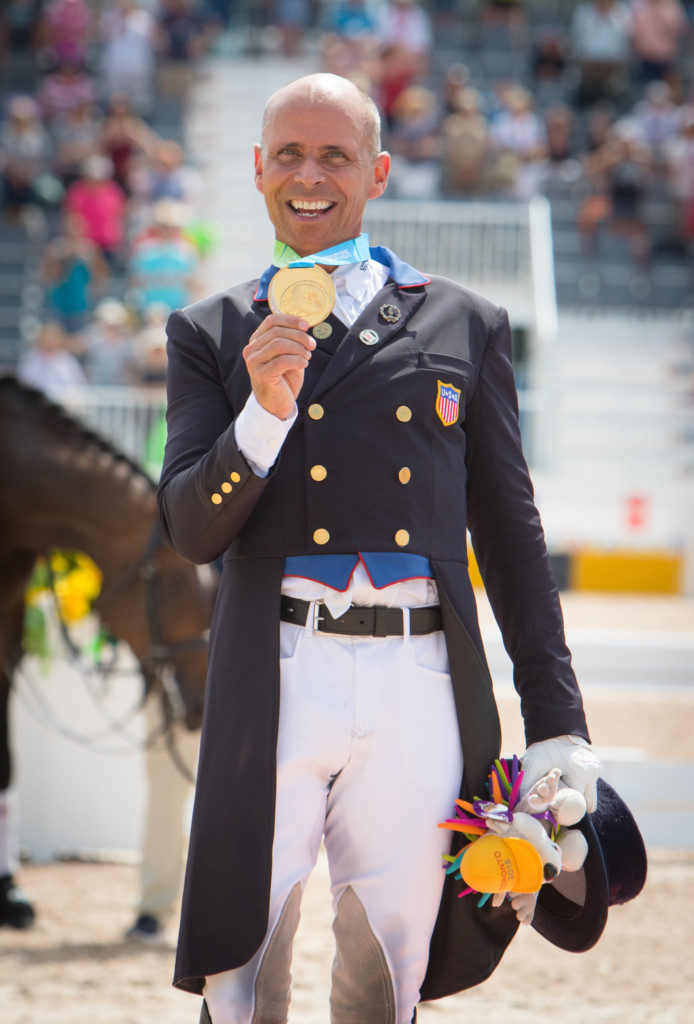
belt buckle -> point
(316, 618)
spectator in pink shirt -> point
(658, 28)
(101, 204)
(67, 26)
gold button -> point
(316, 411)
(405, 475)
(216, 499)
(226, 487)
(235, 477)
(318, 472)
(403, 413)
(321, 536)
(402, 538)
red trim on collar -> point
(393, 583)
(419, 284)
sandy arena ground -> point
(74, 967)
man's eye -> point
(336, 154)
(288, 153)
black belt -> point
(374, 620)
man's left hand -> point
(575, 759)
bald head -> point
(320, 146)
(324, 90)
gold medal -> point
(307, 292)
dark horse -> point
(61, 485)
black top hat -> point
(571, 912)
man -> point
(331, 466)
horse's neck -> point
(73, 495)
(114, 541)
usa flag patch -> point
(447, 403)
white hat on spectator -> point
(170, 214)
(97, 168)
(22, 108)
(112, 313)
(627, 129)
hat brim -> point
(571, 912)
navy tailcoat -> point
(365, 413)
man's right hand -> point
(276, 357)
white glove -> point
(575, 759)
(567, 805)
(522, 902)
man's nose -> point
(309, 173)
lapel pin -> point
(391, 314)
(369, 337)
(322, 331)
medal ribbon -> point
(354, 250)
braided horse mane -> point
(70, 426)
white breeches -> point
(368, 756)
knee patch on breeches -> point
(362, 987)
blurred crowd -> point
(112, 201)
(587, 99)
(592, 100)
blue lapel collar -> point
(400, 272)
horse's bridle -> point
(160, 653)
(158, 661)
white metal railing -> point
(542, 262)
(125, 416)
(503, 250)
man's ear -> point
(258, 165)
(381, 172)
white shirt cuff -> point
(260, 435)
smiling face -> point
(316, 167)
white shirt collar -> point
(356, 284)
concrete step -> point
(9, 353)
(633, 658)
(10, 315)
(655, 211)
(665, 286)
(12, 257)
(11, 283)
